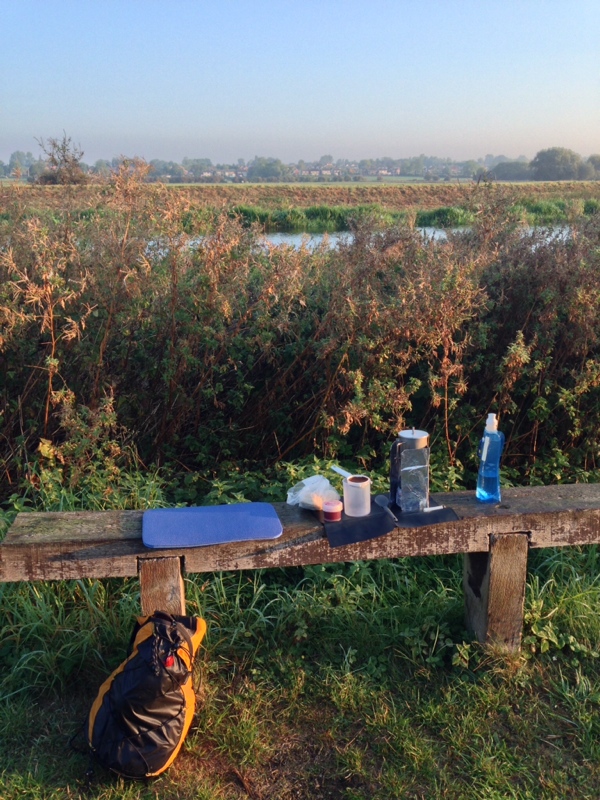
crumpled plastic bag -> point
(312, 493)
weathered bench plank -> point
(63, 545)
(494, 540)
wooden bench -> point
(495, 541)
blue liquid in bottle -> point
(490, 451)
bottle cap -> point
(491, 425)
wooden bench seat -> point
(494, 540)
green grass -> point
(313, 219)
(450, 217)
(331, 218)
(326, 218)
(344, 681)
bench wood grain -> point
(494, 540)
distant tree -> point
(387, 163)
(204, 163)
(325, 161)
(158, 168)
(176, 172)
(267, 169)
(512, 171)
(556, 164)
(435, 163)
(469, 168)
(413, 166)
(37, 169)
(197, 166)
(594, 160)
(491, 161)
(166, 171)
(102, 167)
(63, 161)
(483, 175)
(586, 171)
(19, 164)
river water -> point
(313, 240)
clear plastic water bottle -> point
(490, 450)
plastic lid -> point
(491, 425)
(333, 505)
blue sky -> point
(229, 79)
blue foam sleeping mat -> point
(203, 525)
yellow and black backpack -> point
(144, 710)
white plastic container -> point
(357, 496)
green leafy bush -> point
(215, 350)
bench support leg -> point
(494, 587)
(161, 585)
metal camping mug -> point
(357, 495)
(413, 485)
(410, 439)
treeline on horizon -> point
(552, 164)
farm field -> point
(282, 195)
(153, 353)
(318, 209)
(389, 196)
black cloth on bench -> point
(378, 522)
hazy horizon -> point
(232, 162)
(353, 79)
